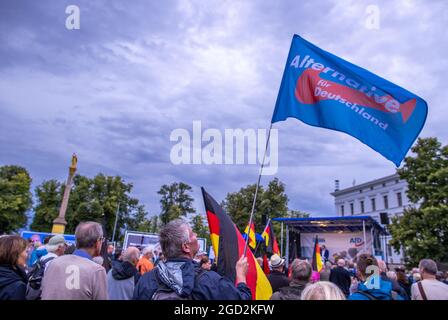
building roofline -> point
(336, 218)
(298, 221)
(365, 184)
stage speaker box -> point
(384, 217)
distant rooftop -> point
(365, 184)
(331, 224)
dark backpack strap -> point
(44, 262)
(368, 295)
(422, 292)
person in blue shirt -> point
(371, 286)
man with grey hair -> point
(55, 247)
(76, 276)
(300, 277)
(429, 288)
(145, 263)
(123, 276)
(179, 277)
(325, 272)
(340, 276)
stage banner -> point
(348, 245)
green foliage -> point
(49, 197)
(140, 222)
(155, 224)
(15, 198)
(175, 201)
(273, 202)
(298, 214)
(91, 199)
(427, 173)
(423, 231)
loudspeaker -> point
(384, 217)
(264, 219)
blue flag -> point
(326, 91)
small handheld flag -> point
(326, 91)
(270, 241)
(251, 234)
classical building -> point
(381, 199)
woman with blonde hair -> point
(322, 290)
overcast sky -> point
(115, 89)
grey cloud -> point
(115, 89)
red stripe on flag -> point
(213, 222)
(251, 277)
(266, 265)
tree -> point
(15, 198)
(175, 202)
(49, 197)
(91, 199)
(273, 202)
(140, 222)
(238, 206)
(423, 229)
(155, 224)
(298, 214)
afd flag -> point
(326, 91)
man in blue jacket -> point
(378, 289)
(179, 277)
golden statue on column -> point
(59, 223)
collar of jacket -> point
(178, 274)
(9, 274)
(298, 283)
(82, 253)
(275, 272)
(123, 271)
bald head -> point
(131, 255)
(341, 263)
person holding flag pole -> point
(323, 90)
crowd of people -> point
(365, 279)
(54, 271)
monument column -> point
(59, 223)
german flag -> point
(228, 244)
(317, 259)
(266, 265)
(269, 239)
(251, 234)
